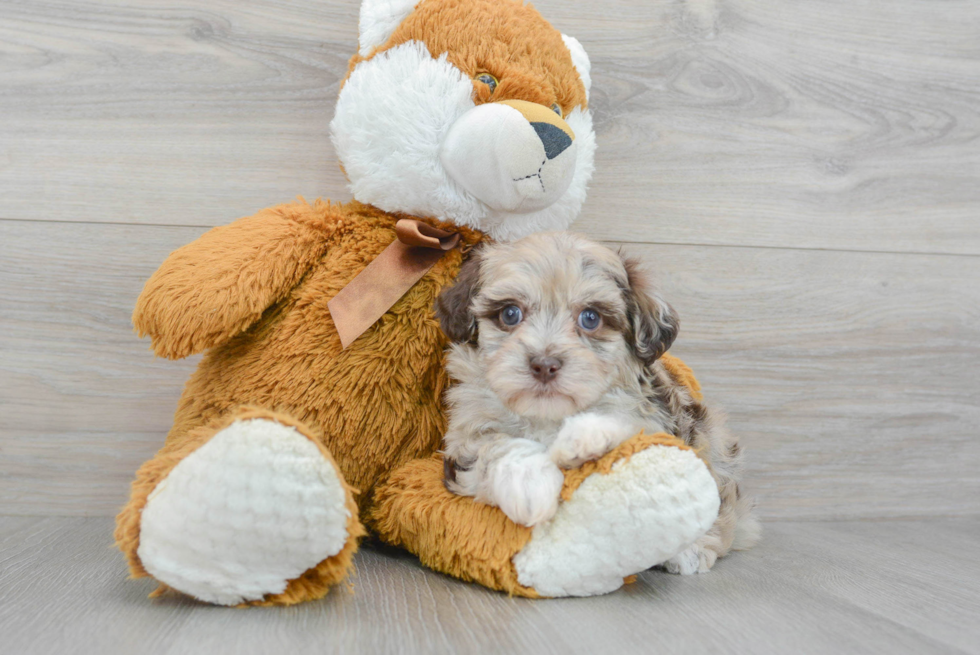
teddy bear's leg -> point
(636, 507)
(250, 509)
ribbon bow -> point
(374, 290)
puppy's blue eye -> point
(511, 315)
(589, 319)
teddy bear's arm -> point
(217, 286)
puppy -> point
(556, 342)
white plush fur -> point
(391, 118)
(251, 509)
(390, 122)
(645, 511)
(378, 20)
(580, 59)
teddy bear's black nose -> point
(545, 369)
(555, 140)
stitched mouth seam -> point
(537, 175)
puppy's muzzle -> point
(515, 156)
(544, 369)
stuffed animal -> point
(315, 414)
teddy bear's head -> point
(469, 111)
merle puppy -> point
(556, 349)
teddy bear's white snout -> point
(514, 156)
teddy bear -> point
(315, 414)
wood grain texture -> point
(809, 588)
(799, 123)
(851, 377)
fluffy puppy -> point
(556, 342)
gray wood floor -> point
(810, 587)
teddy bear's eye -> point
(557, 109)
(487, 79)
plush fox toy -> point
(310, 420)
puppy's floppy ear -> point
(454, 305)
(651, 324)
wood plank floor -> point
(816, 587)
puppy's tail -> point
(748, 530)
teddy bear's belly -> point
(377, 404)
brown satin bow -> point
(374, 290)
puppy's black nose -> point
(545, 368)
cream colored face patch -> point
(535, 113)
(514, 156)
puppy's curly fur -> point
(556, 351)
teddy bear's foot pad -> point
(646, 509)
(250, 510)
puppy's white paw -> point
(526, 487)
(685, 562)
(689, 561)
(587, 436)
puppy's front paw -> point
(526, 488)
(587, 436)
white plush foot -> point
(643, 512)
(251, 509)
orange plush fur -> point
(255, 292)
(506, 39)
(468, 540)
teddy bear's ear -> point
(581, 60)
(378, 21)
